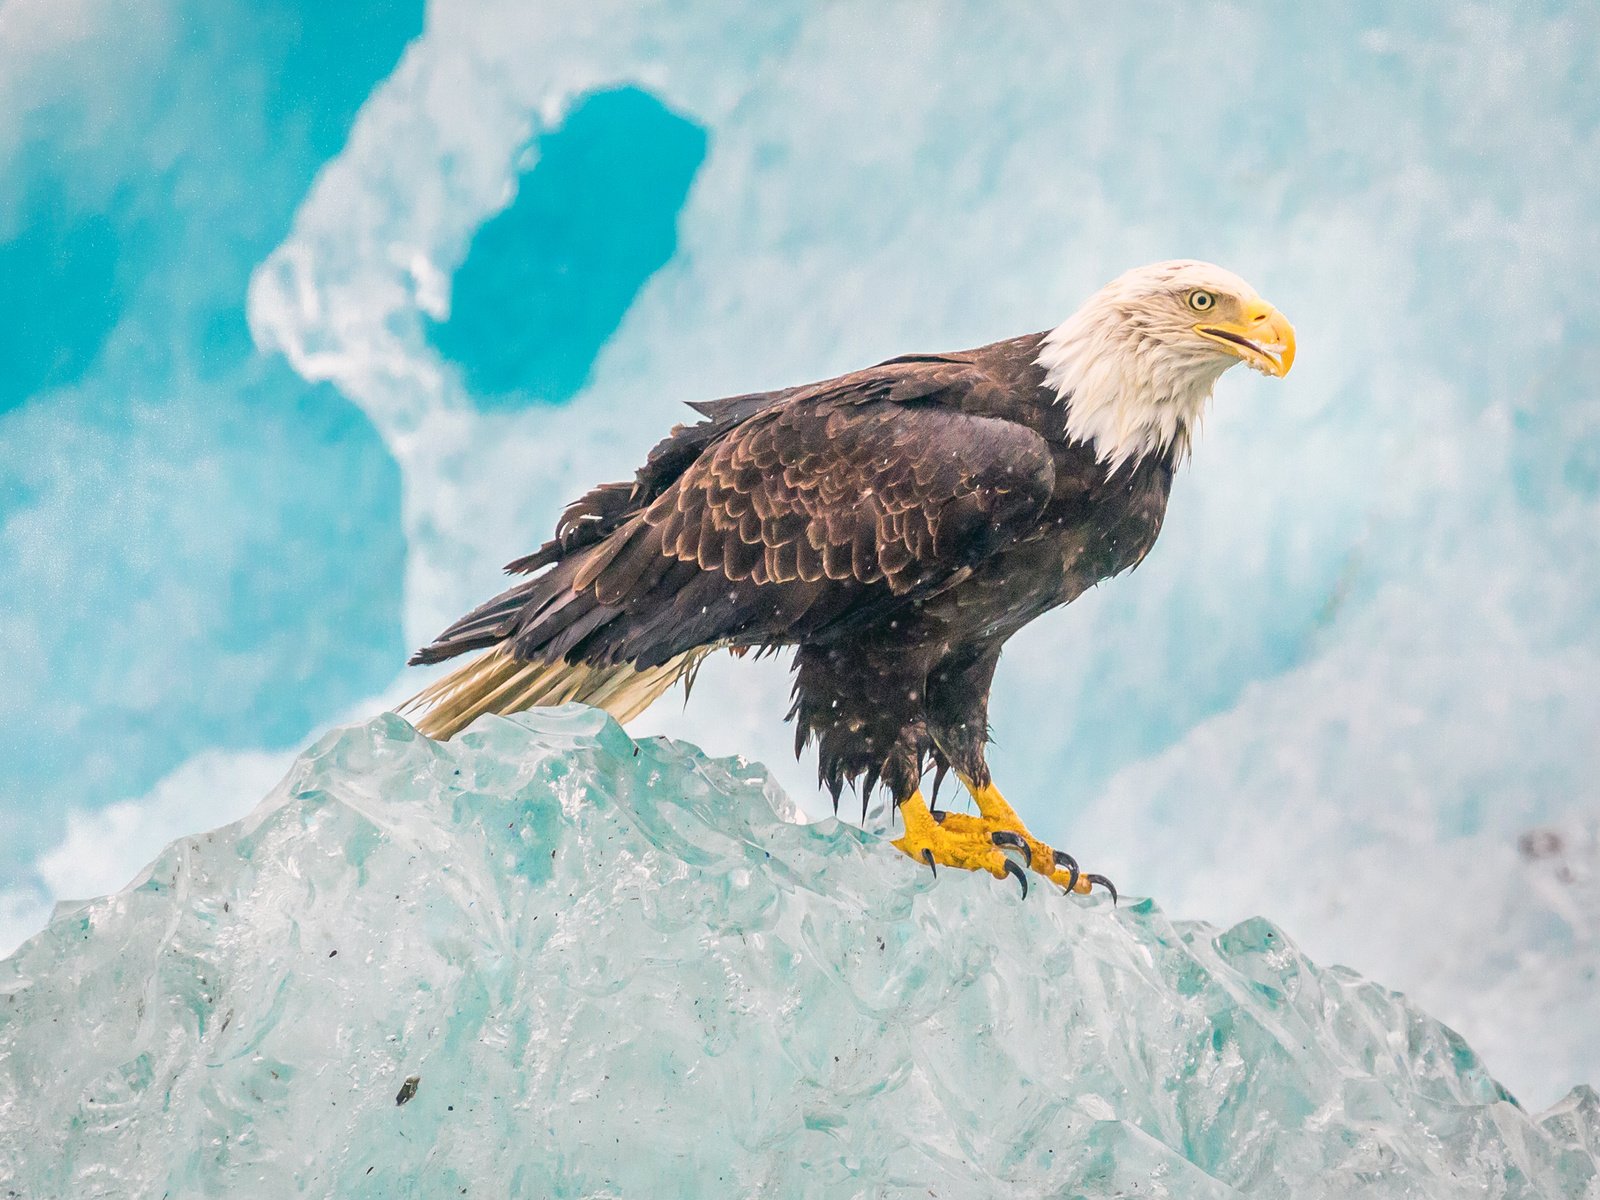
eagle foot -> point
(1059, 867)
(996, 844)
(1006, 830)
(935, 843)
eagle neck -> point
(1124, 392)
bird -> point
(892, 527)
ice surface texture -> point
(546, 960)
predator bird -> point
(893, 526)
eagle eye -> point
(1202, 301)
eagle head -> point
(1136, 364)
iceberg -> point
(549, 960)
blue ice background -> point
(594, 216)
(202, 548)
(206, 551)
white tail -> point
(496, 682)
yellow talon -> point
(1042, 858)
(981, 843)
(948, 845)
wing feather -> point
(844, 492)
(777, 517)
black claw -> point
(1005, 837)
(1105, 883)
(938, 814)
(1019, 875)
(1063, 859)
(927, 857)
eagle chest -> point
(1113, 526)
(1086, 535)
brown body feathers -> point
(895, 526)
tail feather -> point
(498, 682)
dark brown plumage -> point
(895, 525)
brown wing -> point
(829, 508)
(853, 493)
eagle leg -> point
(957, 723)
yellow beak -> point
(1264, 339)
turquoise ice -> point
(594, 216)
(546, 960)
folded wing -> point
(792, 520)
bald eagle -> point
(894, 527)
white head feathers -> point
(1137, 363)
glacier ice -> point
(1367, 634)
(548, 960)
(570, 269)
